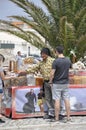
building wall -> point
(20, 44)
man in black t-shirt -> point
(29, 106)
(59, 80)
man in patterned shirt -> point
(45, 67)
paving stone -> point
(79, 123)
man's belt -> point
(46, 81)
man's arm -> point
(2, 75)
(29, 70)
(52, 76)
(35, 97)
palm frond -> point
(65, 23)
(35, 41)
(81, 46)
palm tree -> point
(65, 23)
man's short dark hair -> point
(46, 51)
(18, 52)
(60, 49)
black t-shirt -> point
(40, 95)
(61, 66)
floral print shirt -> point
(44, 67)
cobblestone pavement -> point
(79, 123)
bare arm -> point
(2, 75)
(29, 70)
(52, 75)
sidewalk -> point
(79, 123)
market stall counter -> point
(21, 99)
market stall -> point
(18, 102)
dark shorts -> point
(1, 91)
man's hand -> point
(22, 73)
(50, 84)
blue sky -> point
(8, 8)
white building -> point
(12, 43)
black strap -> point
(46, 81)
